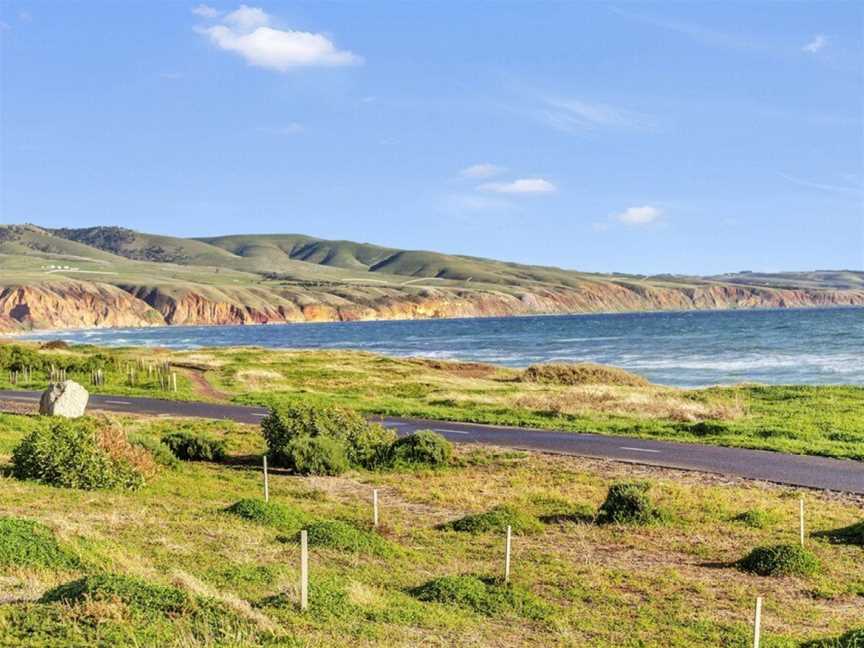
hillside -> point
(112, 276)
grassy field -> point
(575, 583)
(822, 420)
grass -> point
(26, 543)
(498, 519)
(342, 536)
(671, 585)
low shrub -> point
(26, 543)
(423, 448)
(628, 503)
(852, 534)
(195, 446)
(82, 453)
(137, 594)
(271, 514)
(851, 639)
(160, 452)
(756, 518)
(336, 534)
(498, 519)
(780, 560)
(316, 456)
(369, 446)
(583, 373)
(483, 595)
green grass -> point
(167, 566)
(27, 543)
(498, 519)
(342, 536)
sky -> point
(679, 137)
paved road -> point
(813, 472)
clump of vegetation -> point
(189, 445)
(851, 639)
(26, 543)
(84, 454)
(160, 452)
(343, 536)
(423, 448)
(316, 456)
(498, 519)
(270, 514)
(756, 518)
(629, 503)
(369, 446)
(583, 373)
(297, 419)
(780, 560)
(852, 534)
(137, 594)
(484, 596)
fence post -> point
(304, 570)
(266, 482)
(507, 554)
(801, 519)
(757, 623)
(375, 507)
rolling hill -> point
(112, 276)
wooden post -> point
(801, 519)
(266, 482)
(507, 554)
(375, 508)
(304, 571)
(174, 380)
(757, 623)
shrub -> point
(195, 446)
(82, 454)
(316, 456)
(369, 446)
(851, 639)
(852, 534)
(160, 452)
(780, 560)
(628, 503)
(343, 536)
(423, 448)
(269, 514)
(296, 420)
(482, 595)
(756, 518)
(498, 519)
(137, 594)
(26, 543)
(583, 373)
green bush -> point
(343, 536)
(780, 560)
(756, 518)
(628, 503)
(852, 534)
(316, 456)
(483, 595)
(498, 519)
(271, 514)
(369, 446)
(26, 543)
(137, 594)
(80, 454)
(423, 448)
(296, 420)
(160, 452)
(851, 639)
(195, 446)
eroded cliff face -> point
(73, 304)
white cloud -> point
(639, 215)
(520, 186)
(482, 170)
(206, 12)
(575, 115)
(815, 44)
(246, 32)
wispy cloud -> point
(294, 128)
(482, 170)
(577, 115)
(639, 215)
(815, 45)
(700, 33)
(803, 182)
(247, 32)
(206, 12)
(520, 186)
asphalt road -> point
(795, 470)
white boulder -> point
(67, 399)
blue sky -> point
(632, 137)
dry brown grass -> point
(112, 438)
(583, 373)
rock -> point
(67, 399)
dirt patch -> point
(202, 387)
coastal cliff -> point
(78, 304)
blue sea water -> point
(814, 346)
